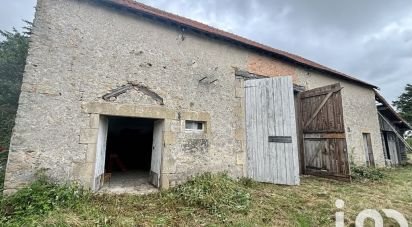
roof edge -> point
(381, 99)
(204, 28)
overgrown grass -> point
(218, 194)
(29, 204)
(217, 200)
(363, 173)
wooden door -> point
(100, 153)
(157, 150)
(272, 154)
(367, 144)
(323, 132)
(393, 149)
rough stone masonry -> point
(82, 50)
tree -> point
(13, 53)
(404, 104)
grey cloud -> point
(349, 36)
(369, 39)
(407, 35)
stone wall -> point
(81, 50)
(72, 64)
(359, 114)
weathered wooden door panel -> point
(367, 144)
(393, 149)
(271, 131)
(324, 140)
(322, 110)
(325, 156)
(157, 150)
(100, 153)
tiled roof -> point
(185, 22)
(393, 114)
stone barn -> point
(393, 127)
(118, 95)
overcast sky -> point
(368, 39)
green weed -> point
(40, 198)
(364, 173)
(219, 194)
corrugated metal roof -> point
(185, 22)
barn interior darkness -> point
(385, 138)
(129, 145)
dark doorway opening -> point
(385, 137)
(128, 154)
(129, 144)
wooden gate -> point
(323, 132)
(272, 154)
(391, 147)
(367, 147)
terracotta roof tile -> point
(142, 8)
(395, 114)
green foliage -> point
(39, 198)
(219, 194)
(409, 140)
(13, 53)
(3, 161)
(404, 103)
(312, 203)
(248, 182)
(303, 220)
(364, 173)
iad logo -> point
(369, 213)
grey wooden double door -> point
(272, 151)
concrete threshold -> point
(130, 182)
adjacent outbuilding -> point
(393, 127)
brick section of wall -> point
(265, 66)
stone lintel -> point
(128, 110)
